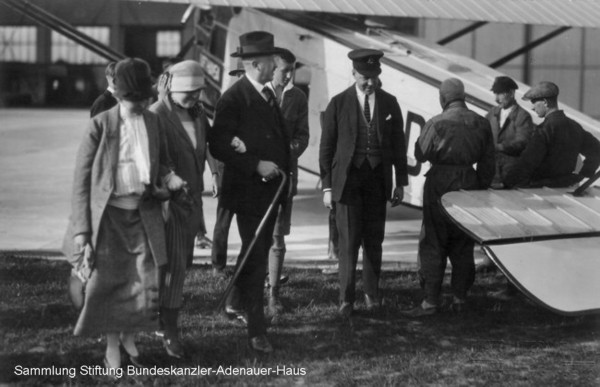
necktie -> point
(270, 96)
(367, 109)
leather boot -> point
(171, 341)
(274, 305)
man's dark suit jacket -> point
(339, 134)
(241, 111)
(104, 102)
(513, 136)
(295, 112)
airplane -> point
(412, 70)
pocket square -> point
(389, 117)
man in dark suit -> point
(362, 149)
(247, 114)
(106, 100)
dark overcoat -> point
(241, 111)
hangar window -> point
(17, 44)
(66, 50)
(168, 43)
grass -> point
(497, 344)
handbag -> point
(80, 275)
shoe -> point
(345, 310)
(173, 347)
(236, 314)
(501, 295)
(419, 311)
(372, 303)
(261, 344)
(133, 360)
(203, 242)
(159, 333)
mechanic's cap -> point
(504, 84)
(366, 61)
(543, 89)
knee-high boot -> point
(276, 256)
(171, 341)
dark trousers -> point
(360, 218)
(220, 237)
(441, 239)
(250, 284)
(333, 249)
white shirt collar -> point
(361, 99)
(287, 87)
(258, 86)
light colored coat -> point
(93, 181)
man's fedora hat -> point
(256, 43)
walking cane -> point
(251, 245)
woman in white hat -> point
(185, 124)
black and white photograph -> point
(287, 192)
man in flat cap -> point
(250, 138)
(511, 127)
(452, 142)
(550, 157)
(294, 107)
(362, 149)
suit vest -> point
(367, 142)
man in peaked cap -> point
(248, 113)
(511, 126)
(185, 125)
(452, 142)
(550, 157)
(362, 148)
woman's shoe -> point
(134, 360)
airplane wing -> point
(545, 241)
(573, 13)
